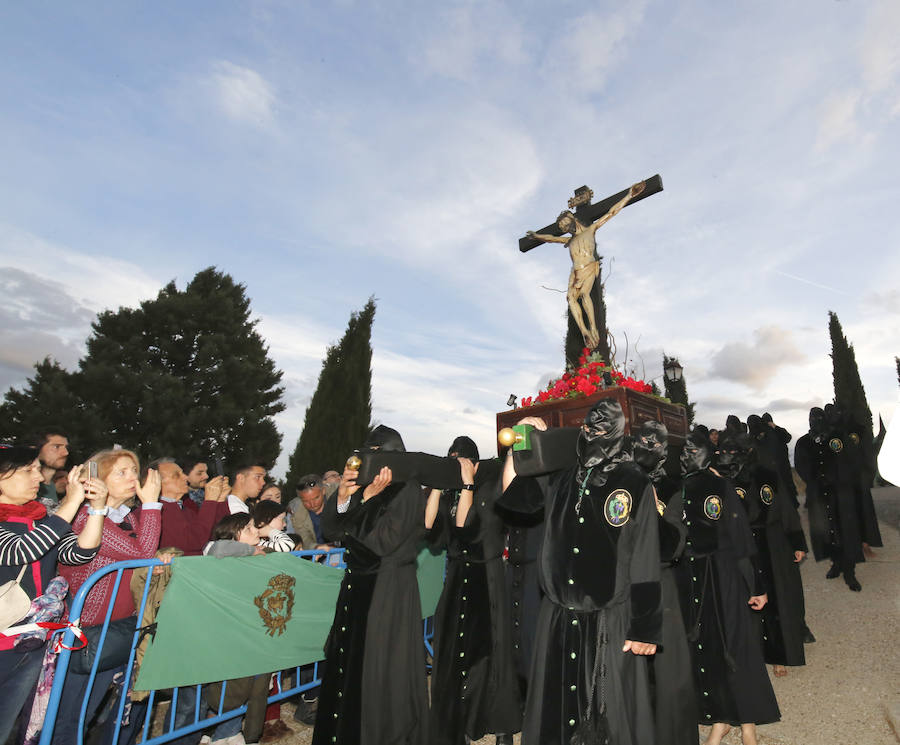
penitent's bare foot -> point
(748, 734)
(868, 552)
(716, 733)
(779, 670)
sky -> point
(322, 153)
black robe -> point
(374, 689)
(599, 571)
(716, 578)
(841, 512)
(473, 681)
(777, 534)
(674, 702)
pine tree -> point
(848, 388)
(49, 399)
(338, 416)
(676, 391)
(185, 372)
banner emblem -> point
(276, 604)
(835, 444)
(766, 494)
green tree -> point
(676, 391)
(49, 399)
(185, 372)
(338, 416)
(848, 388)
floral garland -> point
(585, 380)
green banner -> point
(230, 618)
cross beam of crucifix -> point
(587, 213)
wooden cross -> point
(586, 213)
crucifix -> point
(581, 225)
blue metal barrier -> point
(333, 557)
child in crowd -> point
(269, 519)
(234, 535)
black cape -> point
(473, 681)
(777, 534)
(374, 689)
(599, 571)
(674, 702)
(716, 577)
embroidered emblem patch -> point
(854, 438)
(741, 492)
(766, 494)
(617, 509)
(835, 444)
(712, 507)
(276, 604)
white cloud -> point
(243, 94)
(757, 363)
(839, 119)
(466, 38)
(590, 46)
(96, 282)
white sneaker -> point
(237, 739)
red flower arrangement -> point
(585, 380)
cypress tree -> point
(676, 391)
(338, 416)
(848, 388)
(897, 360)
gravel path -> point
(852, 676)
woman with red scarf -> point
(31, 544)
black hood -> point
(649, 448)
(733, 455)
(384, 439)
(696, 454)
(602, 437)
(816, 420)
(464, 447)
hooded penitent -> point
(384, 439)
(464, 447)
(696, 454)
(649, 448)
(733, 454)
(817, 423)
(601, 442)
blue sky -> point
(325, 152)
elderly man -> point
(184, 525)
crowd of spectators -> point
(60, 524)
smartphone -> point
(92, 469)
(220, 467)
